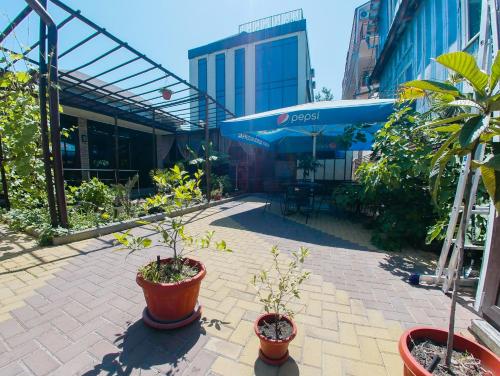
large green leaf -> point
(465, 103)
(450, 128)
(443, 148)
(465, 65)
(490, 180)
(432, 86)
(495, 73)
(449, 120)
(471, 130)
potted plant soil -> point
(171, 285)
(276, 288)
(469, 125)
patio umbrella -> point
(289, 128)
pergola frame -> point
(77, 89)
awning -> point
(295, 129)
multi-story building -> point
(361, 56)
(413, 32)
(264, 67)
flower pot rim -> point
(141, 281)
(264, 338)
(414, 332)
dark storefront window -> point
(276, 71)
(474, 17)
(70, 149)
(239, 82)
(220, 84)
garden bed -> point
(124, 225)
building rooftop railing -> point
(271, 21)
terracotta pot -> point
(274, 351)
(489, 360)
(166, 94)
(172, 301)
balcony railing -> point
(272, 21)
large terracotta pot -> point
(489, 360)
(172, 301)
(274, 352)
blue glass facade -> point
(220, 84)
(433, 29)
(276, 74)
(239, 82)
(202, 85)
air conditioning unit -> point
(363, 15)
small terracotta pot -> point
(166, 94)
(274, 351)
(489, 361)
(172, 301)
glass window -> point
(439, 36)
(420, 32)
(276, 72)
(239, 82)
(474, 17)
(70, 148)
(452, 21)
(428, 33)
(220, 84)
(202, 85)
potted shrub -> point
(469, 121)
(171, 285)
(166, 93)
(276, 288)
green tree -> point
(470, 127)
(324, 94)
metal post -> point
(3, 175)
(314, 136)
(53, 83)
(44, 129)
(155, 157)
(117, 152)
(207, 152)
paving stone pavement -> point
(81, 315)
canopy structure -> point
(310, 127)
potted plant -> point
(171, 285)
(166, 93)
(470, 123)
(276, 288)
(307, 163)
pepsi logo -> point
(283, 118)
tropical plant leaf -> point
(449, 120)
(493, 161)
(448, 128)
(444, 147)
(410, 93)
(432, 86)
(465, 103)
(471, 130)
(465, 65)
(490, 182)
(495, 73)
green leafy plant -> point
(307, 163)
(93, 195)
(469, 126)
(278, 286)
(122, 194)
(179, 191)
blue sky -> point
(166, 29)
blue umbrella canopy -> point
(295, 129)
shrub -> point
(93, 195)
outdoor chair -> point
(298, 199)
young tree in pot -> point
(171, 286)
(277, 288)
(470, 122)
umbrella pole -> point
(314, 136)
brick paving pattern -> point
(76, 309)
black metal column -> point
(3, 175)
(117, 153)
(44, 129)
(53, 90)
(155, 151)
(207, 151)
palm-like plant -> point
(471, 126)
